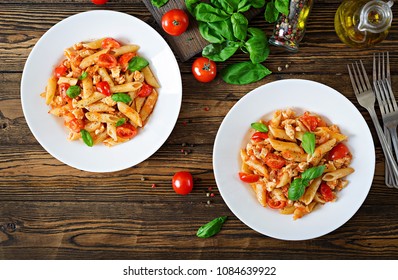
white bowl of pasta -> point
(301, 161)
(101, 91)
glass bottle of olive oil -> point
(363, 23)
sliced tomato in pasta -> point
(274, 161)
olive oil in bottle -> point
(363, 23)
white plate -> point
(300, 95)
(48, 53)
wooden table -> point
(49, 210)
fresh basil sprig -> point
(137, 63)
(83, 75)
(308, 142)
(211, 228)
(73, 91)
(297, 187)
(243, 73)
(87, 139)
(259, 127)
(159, 3)
(120, 122)
(121, 97)
(274, 8)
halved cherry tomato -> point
(110, 43)
(259, 136)
(145, 90)
(326, 192)
(310, 121)
(99, 2)
(107, 60)
(75, 125)
(274, 161)
(124, 60)
(175, 22)
(248, 178)
(338, 151)
(275, 204)
(60, 71)
(182, 182)
(104, 88)
(62, 88)
(126, 131)
(204, 70)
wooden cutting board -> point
(190, 42)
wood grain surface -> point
(51, 211)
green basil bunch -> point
(223, 24)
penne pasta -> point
(294, 165)
(98, 96)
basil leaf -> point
(73, 91)
(121, 97)
(271, 13)
(83, 75)
(259, 127)
(244, 73)
(257, 45)
(216, 32)
(191, 5)
(120, 122)
(308, 142)
(258, 3)
(239, 26)
(208, 13)
(297, 189)
(313, 172)
(282, 6)
(137, 63)
(226, 5)
(159, 3)
(220, 52)
(244, 5)
(211, 228)
(87, 139)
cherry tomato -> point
(62, 88)
(104, 88)
(124, 60)
(75, 125)
(338, 151)
(107, 60)
(274, 161)
(126, 130)
(60, 71)
(99, 2)
(110, 43)
(175, 22)
(326, 192)
(145, 90)
(259, 136)
(182, 182)
(275, 204)
(310, 121)
(204, 69)
(248, 178)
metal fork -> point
(388, 107)
(366, 98)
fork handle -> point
(386, 149)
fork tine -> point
(352, 79)
(365, 75)
(374, 67)
(388, 68)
